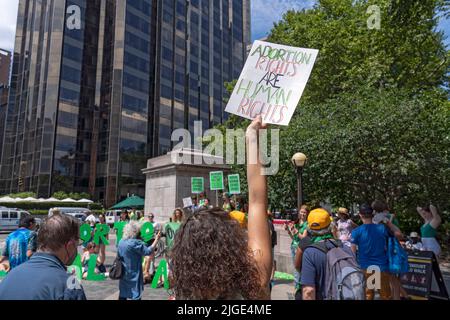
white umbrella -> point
(18, 199)
(40, 200)
(7, 199)
(29, 199)
(85, 201)
(52, 200)
(68, 200)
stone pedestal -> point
(169, 181)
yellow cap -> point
(318, 219)
(239, 217)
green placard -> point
(197, 185)
(234, 184)
(216, 180)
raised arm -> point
(436, 221)
(258, 228)
(420, 212)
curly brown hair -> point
(210, 259)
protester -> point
(213, 258)
(178, 215)
(345, 226)
(428, 230)
(381, 211)
(140, 216)
(312, 261)
(124, 216)
(226, 203)
(44, 276)
(273, 236)
(101, 250)
(87, 252)
(131, 250)
(297, 231)
(132, 214)
(370, 241)
(149, 261)
(414, 242)
(21, 244)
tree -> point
(406, 52)
(374, 119)
(60, 195)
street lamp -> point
(298, 161)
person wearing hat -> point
(345, 226)
(414, 242)
(370, 240)
(311, 261)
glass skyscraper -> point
(89, 105)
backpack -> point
(398, 258)
(344, 279)
(116, 271)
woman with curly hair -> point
(213, 257)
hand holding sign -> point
(272, 82)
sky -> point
(264, 14)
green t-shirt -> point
(301, 228)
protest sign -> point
(197, 185)
(187, 202)
(216, 180)
(234, 184)
(272, 82)
(171, 228)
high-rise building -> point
(5, 67)
(90, 102)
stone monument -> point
(168, 181)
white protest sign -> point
(187, 202)
(272, 82)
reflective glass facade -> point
(87, 107)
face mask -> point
(71, 258)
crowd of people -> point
(219, 253)
(367, 244)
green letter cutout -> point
(119, 225)
(76, 265)
(101, 230)
(92, 276)
(147, 231)
(85, 232)
(161, 271)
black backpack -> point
(116, 271)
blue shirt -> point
(314, 266)
(43, 277)
(17, 245)
(371, 240)
(132, 251)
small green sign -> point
(197, 185)
(234, 184)
(216, 180)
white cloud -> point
(266, 12)
(8, 17)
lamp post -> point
(298, 161)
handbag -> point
(116, 271)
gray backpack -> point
(344, 279)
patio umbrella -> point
(131, 202)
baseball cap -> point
(239, 217)
(343, 211)
(365, 209)
(319, 219)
